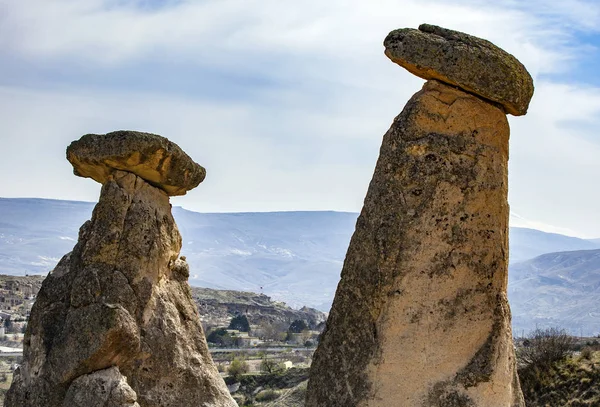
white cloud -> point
(554, 164)
(517, 220)
(309, 137)
(226, 31)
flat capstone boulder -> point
(470, 63)
(151, 157)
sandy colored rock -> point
(153, 158)
(420, 317)
(462, 60)
(121, 300)
(104, 388)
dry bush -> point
(587, 353)
(267, 395)
(545, 347)
(542, 353)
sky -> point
(285, 103)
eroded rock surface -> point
(420, 317)
(459, 59)
(153, 158)
(104, 388)
(119, 299)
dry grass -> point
(5, 385)
(574, 382)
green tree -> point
(297, 326)
(237, 368)
(269, 366)
(271, 331)
(220, 337)
(240, 323)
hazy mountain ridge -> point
(557, 289)
(295, 257)
(36, 233)
(527, 243)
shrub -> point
(545, 347)
(586, 353)
(541, 356)
(267, 395)
(220, 337)
(237, 368)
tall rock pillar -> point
(420, 317)
(114, 324)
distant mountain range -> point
(526, 244)
(296, 257)
(557, 289)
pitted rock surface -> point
(420, 317)
(119, 300)
(153, 158)
(104, 388)
(462, 60)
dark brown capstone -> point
(473, 64)
(151, 157)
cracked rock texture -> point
(114, 322)
(420, 317)
(459, 59)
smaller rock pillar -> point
(114, 324)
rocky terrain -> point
(28, 285)
(280, 389)
(17, 295)
(217, 307)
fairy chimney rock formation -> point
(420, 317)
(114, 324)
